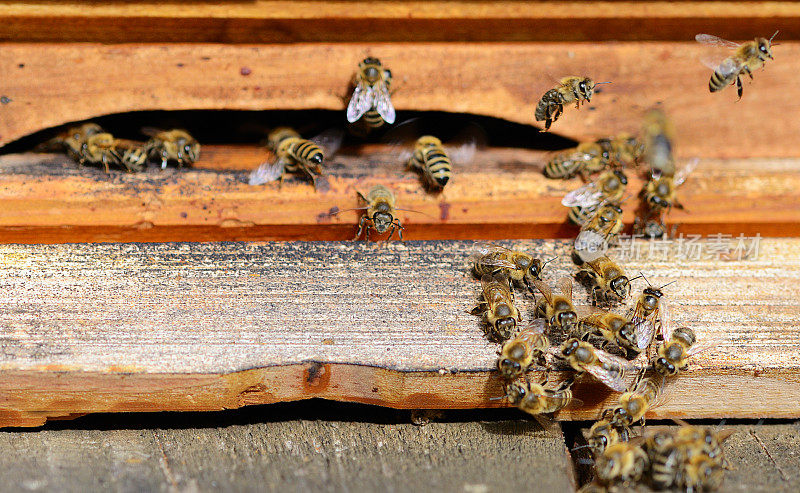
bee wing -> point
(151, 131)
(643, 327)
(699, 348)
(537, 326)
(544, 289)
(361, 102)
(589, 245)
(724, 65)
(267, 172)
(664, 317)
(565, 285)
(489, 279)
(685, 171)
(466, 144)
(586, 196)
(329, 140)
(403, 137)
(709, 39)
(497, 262)
(611, 371)
(383, 104)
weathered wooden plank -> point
(281, 452)
(135, 327)
(297, 21)
(431, 76)
(49, 199)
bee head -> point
(191, 149)
(382, 221)
(586, 88)
(516, 392)
(621, 176)
(371, 61)
(764, 48)
(535, 269)
(509, 368)
(570, 346)
(621, 286)
(567, 320)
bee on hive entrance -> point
(295, 154)
(381, 213)
(569, 90)
(371, 103)
(598, 232)
(519, 266)
(585, 159)
(526, 347)
(497, 307)
(172, 145)
(71, 141)
(605, 367)
(651, 311)
(607, 279)
(556, 308)
(613, 328)
(748, 57)
(584, 201)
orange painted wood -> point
(203, 326)
(498, 80)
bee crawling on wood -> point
(71, 141)
(651, 311)
(497, 307)
(584, 201)
(622, 462)
(519, 266)
(371, 100)
(381, 213)
(748, 57)
(607, 280)
(569, 90)
(525, 348)
(613, 328)
(556, 308)
(295, 154)
(172, 145)
(585, 358)
(103, 148)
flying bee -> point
(635, 403)
(536, 400)
(172, 145)
(600, 230)
(748, 57)
(585, 159)
(295, 154)
(613, 328)
(557, 308)
(622, 462)
(569, 90)
(584, 201)
(497, 308)
(519, 266)
(526, 347)
(658, 135)
(602, 435)
(371, 100)
(608, 280)
(651, 310)
(583, 357)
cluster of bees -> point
(90, 144)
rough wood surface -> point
(297, 21)
(502, 194)
(280, 452)
(503, 80)
(146, 327)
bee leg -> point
(747, 70)
(391, 233)
(547, 124)
(105, 163)
(400, 229)
(163, 160)
(739, 86)
(480, 309)
(360, 225)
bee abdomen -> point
(719, 81)
(373, 119)
(439, 167)
(547, 105)
(308, 151)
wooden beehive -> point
(133, 326)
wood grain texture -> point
(502, 194)
(300, 21)
(502, 80)
(148, 327)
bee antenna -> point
(773, 36)
(412, 210)
(598, 83)
(548, 261)
(645, 279)
(667, 284)
(346, 210)
(497, 398)
(635, 278)
(579, 447)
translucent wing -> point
(151, 131)
(709, 39)
(664, 317)
(700, 348)
(489, 280)
(725, 66)
(361, 102)
(610, 371)
(536, 326)
(494, 261)
(403, 137)
(586, 196)
(329, 140)
(267, 172)
(685, 171)
(463, 147)
(383, 104)
(544, 289)
(565, 285)
(589, 245)
(643, 326)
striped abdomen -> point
(561, 168)
(435, 165)
(372, 119)
(549, 105)
(720, 80)
(307, 153)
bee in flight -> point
(295, 154)
(371, 100)
(497, 308)
(748, 57)
(569, 90)
(172, 145)
(526, 347)
(584, 201)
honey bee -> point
(584, 201)
(519, 266)
(557, 308)
(622, 462)
(684, 462)
(607, 278)
(613, 328)
(535, 400)
(700, 473)
(635, 403)
(583, 357)
(100, 149)
(701, 440)
(527, 346)
(748, 57)
(602, 435)
(651, 309)
(498, 308)
(132, 155)
(172, 145)
(658, 135)
(71, 141)
(294, 153)
(596, 233)
(371, 98)
(380, 213)
(569, 90)
(623, 149)
(660, 191)
(586, 159)
(672, 355)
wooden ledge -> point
(183, 326)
